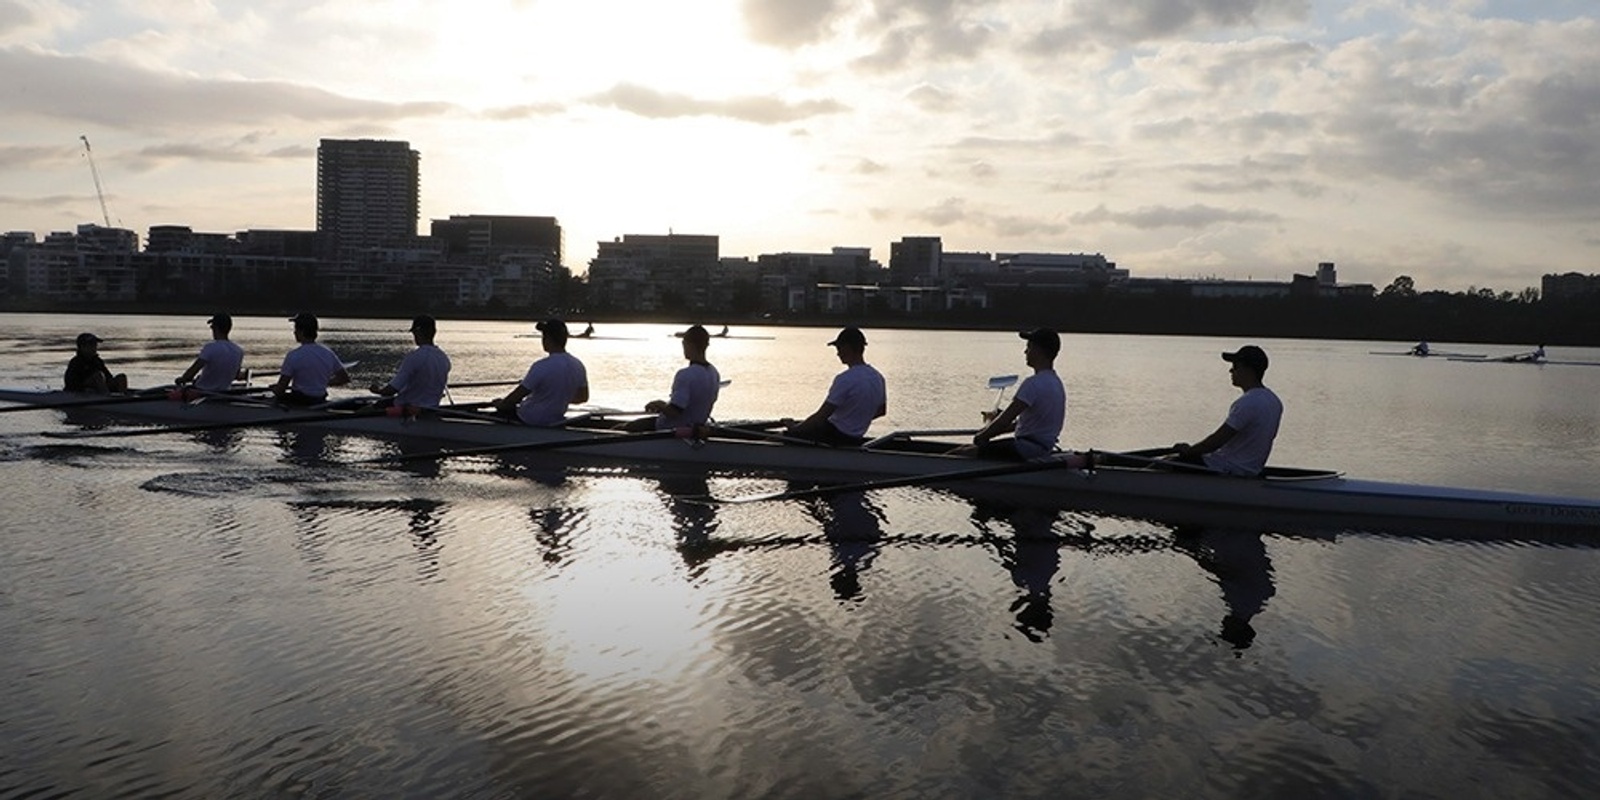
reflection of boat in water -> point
(896, 460)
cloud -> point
(1124, 22)
(931, 98)
(523, 111)
(19, 156)
(760, 109)
(865, 166)
(1191, 216)
(954, 212)
(238, 153)
(788, 23)
(89, 90)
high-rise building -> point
(367, 193)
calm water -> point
(249, 614)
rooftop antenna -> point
(95, 171)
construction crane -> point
(98, 190)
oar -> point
(483, 384)
(217, 426)
(522, 447)
(143, 396)
(910, 480)
(1001, 382)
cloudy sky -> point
(1456, 141)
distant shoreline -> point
(1426, 317)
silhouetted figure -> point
(87, 373)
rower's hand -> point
(375, 388)
(988, 416)
(655, 406)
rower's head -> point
(851, 345)
(1249, 366)
(423, 328)
(553, 335)
(695, 342)
(88, 342)
(1044, 344)
(305, 326)
(221, 325)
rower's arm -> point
(1218, 438)
(1005, 423)
(339, 378)
(193, 370)
(822, 413)
(513, 397)
(580, 396)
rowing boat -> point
(1116, 477)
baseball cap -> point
(1250, 356)
(423, 322)
(88, 338)
(220, 319)
(851, 336)
(552, 327)
(1044, 337)
(304, 318)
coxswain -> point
(86, 372)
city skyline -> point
(1234, 138)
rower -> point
(423, 374)
(552, 383)
(86, 372)
(220, 362)
(694, 390)
(856, 397)
(1419, 349)
(308, 370)
(1036, 413)
(1241, 445)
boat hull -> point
(1300, 492)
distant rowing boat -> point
(897, 460)
(1429, 354)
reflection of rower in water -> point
(853, 527)
(1238, 561)
(1032, 554)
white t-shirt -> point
(1038, 427)
(223, 360)
(856, 395)
(422, 377)
(551, 382)
(1254, 418)
(694, 389)
(309, 367)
